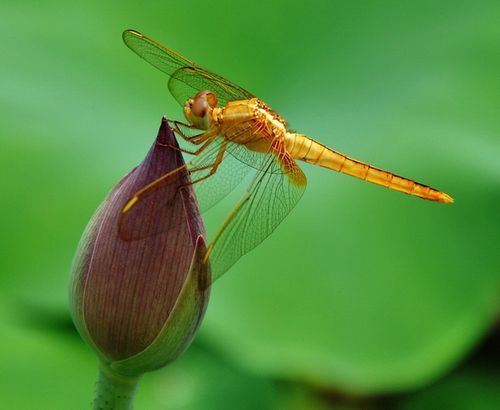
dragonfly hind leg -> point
(212, 167)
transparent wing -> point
(236, 162)
(228, 176)
(188, 73)
(209, 189)
(157, 209)
(275, 190)
(243, 130)
(185, 82)
(154, 53)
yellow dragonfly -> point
(231, 133)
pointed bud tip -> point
(165, 134)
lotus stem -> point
(114, 391)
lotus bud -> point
(139, 287)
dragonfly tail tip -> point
(445, 198)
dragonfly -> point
(230, 133)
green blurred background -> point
(363, 298)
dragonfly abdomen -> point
(303, 148)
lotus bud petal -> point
(138, 292)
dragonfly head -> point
(198, 110)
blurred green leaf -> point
(49, 367)
(474, 387)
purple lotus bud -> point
(139, 285)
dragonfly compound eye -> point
(211, 99)
(199, 107)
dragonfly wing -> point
(244, 129)
(237, 162)
(187, 74)
(154, 53)
(187, 81)
(163, 193)
(155, 208)
(231, 172)
(275, 190)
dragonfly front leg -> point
(175, 125)
(205, 138)
(209, 136)
(193, 139)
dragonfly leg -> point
(204, 138)
(187, 151)
(175, 124)
(209, 136)
(193, 139)
(213, 167)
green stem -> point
(114, 391)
